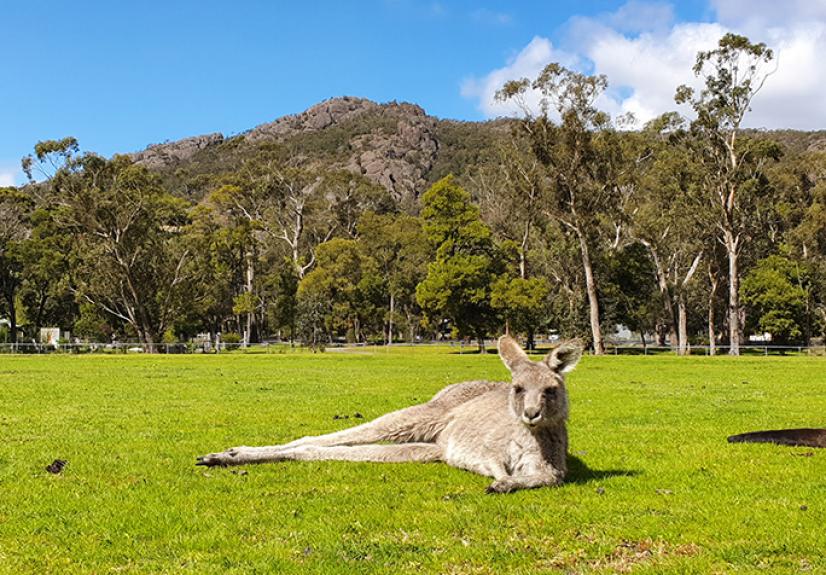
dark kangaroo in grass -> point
(514, 432)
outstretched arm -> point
(513, 483)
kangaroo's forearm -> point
(516, 483)
(243, 456)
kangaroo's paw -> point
(234, 456)
(511, 484)
(503, 486)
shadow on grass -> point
(579, 472)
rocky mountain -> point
(160, 156)
(396, 145)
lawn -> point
(654, 487)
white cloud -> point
(646, 70)
(7, 178)
(637, 16)
(526, 64)
(645, 57)
(752, 16)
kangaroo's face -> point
(538, 396)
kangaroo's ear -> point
(565, 356)
(511, 352)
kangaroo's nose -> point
(531, 413)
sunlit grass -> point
(654, 486)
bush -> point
(231, 337)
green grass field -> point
(654, 487)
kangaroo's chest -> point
(523, 455)
(490, 445)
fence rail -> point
(284, 347)
(716, 350)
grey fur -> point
(515, 433)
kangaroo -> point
(515, 433)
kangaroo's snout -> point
(532, 415)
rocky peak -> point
(318, 117)
(160, 155)
(395, 146)
(398, 159)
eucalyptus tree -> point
(779, 291)
(511, 196)
(458, 282)
(346, 279)
(714, 265)
(666, 221)
(15, 210)
(129, 258)
(219, 249)
(242, 210)
(580, 156)
(733, 74)
(46, 259)
(523, 303)
(629, 289)
(398, 245)
(806, 236)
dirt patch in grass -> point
(623, 558)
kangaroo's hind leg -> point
(399, 453)
(412, 425)
(419, 423)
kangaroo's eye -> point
(550, 392)
(518, 389)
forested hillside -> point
(396, 146)
(375, 222)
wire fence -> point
(138, 348)
(717, 350)
(460, 346)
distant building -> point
(761, 338)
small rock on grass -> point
(56, 466)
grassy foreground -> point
(654, 486)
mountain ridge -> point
(394, 144)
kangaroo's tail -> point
(799, 437)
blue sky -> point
(119, 76)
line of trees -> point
(695, 231)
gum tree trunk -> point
(682, 322)
(712, 335)
(734, 330)
(390, 319)
(591, 290)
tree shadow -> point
(580, 473)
